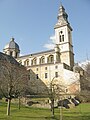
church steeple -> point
(62, 17)
(63, 35)
(62, 14)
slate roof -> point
(8, 58)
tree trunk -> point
(19, 103)
(52, 107)
(61, 113)
(8, 107)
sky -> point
(31, 23)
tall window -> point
(26, 62)
(61, 38)
(56, 74)
(31, 62)
(34, 61)
(51, 59)
(42, 60)
(56, 67)
(36, 69)
(16, 55)
(69, 36)
(66, 90)
(45, 68)
(37, 76)
(46, 75)
(11, 53)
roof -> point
(8, 58)
(12, 45)
(38, 53)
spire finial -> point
(60, 3)
(12, 38)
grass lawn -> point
(81, 112)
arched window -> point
(34, 61)
(20, 62)
(42, 60)
(31, 62)
(61, 37)
(26, 62)
(51, 59)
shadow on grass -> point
(39, 118)
(48, 118)
(76, 117)
(2, 118)
(56, 118)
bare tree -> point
(13, 80)
(85, 84)
(56, 91)
(84, 94)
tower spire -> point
(62, 16)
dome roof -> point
(12, 44)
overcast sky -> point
(31, 23)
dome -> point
(12, 49)
(12, 45)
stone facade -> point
(53, 64)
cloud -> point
(51, 43)
(21, 54)
(49, 46)
(53, 39)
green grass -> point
(81, 112)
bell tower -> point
(63, 35)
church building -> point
(51, 65)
